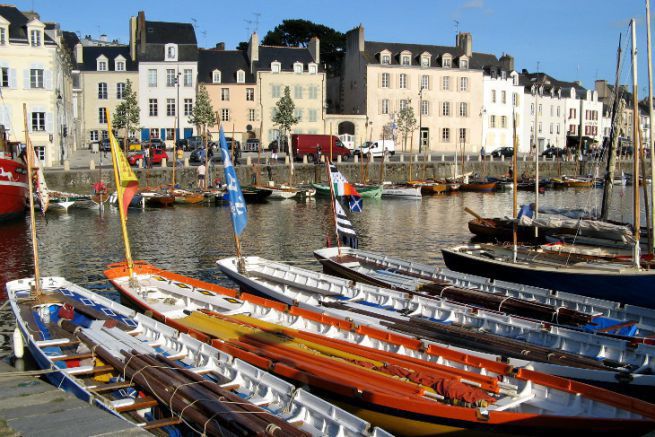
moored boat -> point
(478, 186)
(13, 187)
(186, 197)
(368, 191)
(401, 192)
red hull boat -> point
(13, 189)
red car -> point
(156, 155)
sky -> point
(568, 39)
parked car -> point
(156, 155)
(507, 152)
(198, 155)
(252, 145)
(553, 151)
(275, 143)
(377, 148)
(310, 145)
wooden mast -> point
(635, 155)
(174, 151)
(29, 152)
(651, 142)
(382, 164)
(334, 210)
(515, 190)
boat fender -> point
(624, 377)
(17, 343)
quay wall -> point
(81, 180)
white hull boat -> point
(401, 192)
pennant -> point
(345, 229)
(128, 182)
(40, 186)
(237, 203)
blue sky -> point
(569, 39)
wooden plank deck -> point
(32, 407)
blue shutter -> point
(177, 133)
(145, 134)
(162, 135)
(188, 132)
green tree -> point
(298, 33)
(284, 115)
(202, 115)
(406, 123)
(127, 112)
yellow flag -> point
(128, 182)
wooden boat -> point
(13, 186)
(104, 353)
(478, 186)
(568, 182)
(281, 191)
(255, 195)
(186, 197)
(401, 192)
(430, 187)
(599, 279)
(157, 199)
(346, 357)
(501, 229)
(368, 191)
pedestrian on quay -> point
(482, 153)
(237, 152)
(146, 157)
(274, 149)
(201, 170)
(179, 154)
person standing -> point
(202, 170)
(180, 157)
(482, 153)
(146, 157)
(274, 149)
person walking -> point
(482, 153)
(146, 157)
(201, 170)
(237, 152)
(179, 154)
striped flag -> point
(128, 182)
(345, 229)
(237, 203)
(341, 185)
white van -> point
(377, 147)
(348, 141)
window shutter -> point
(379, 106)
(145, 134)
(26, 79)
(48, 122)
(12, 78)
(47, 79)
(162, 135)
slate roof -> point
(17, 25)
(287, 56)
(227, 61)
(373, 48)
(528, 79)
(70, 40)
(91, 54)
(161, 32)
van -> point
(348, 141)
(377, 147)
(309, 145)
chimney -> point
(253, 50)
(103, 38)
(220, 46)
(355, 40)
(315, 49)
(602, 89)
(141, 29)
(465, 43)
(507, 62)
(79, 53)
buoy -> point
(19, 347)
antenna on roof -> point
(456, 26)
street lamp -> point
(61, 128)
(420, 119)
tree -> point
(284, 115)
(243, 45)
(406, 122)
(202, 115)
(298, 33)
(127, 112)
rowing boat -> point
(358, 365)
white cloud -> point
(473, 4)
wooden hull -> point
(191, 199)
(482, 187)
(13, 189)
(496, 229)
(160, 201)
(372, 191)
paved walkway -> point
(31, 407)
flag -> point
(355, 203)
(237, 202)
(341, 185)
(40, 186)
(128, 184)
(345, 230)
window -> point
(540, 108)
(188, 77)
(503, 97)
(572, 113)
(171, 53)
(251, 114)
(120, 65)
(425, 61)
(313, 92)
(463, 83)
(313, 68)
(35, 37)
(297, 67)
(531, 108)
(225, 114)
(385, 106)
(464, 64)
(503, 121)
(406, 60)
(445, 109)
(152, 77)
(557, 126)
(386, 59)
(275, 90)
(425, 107)
(425, 82)
(402, 80)
(250, 94)
(492, 121)
(241, 76)
(313, 115)
(503, 75)
(93, 135)
(385, 80)
(540, 127)
(38, 121)
(3, 36)
(403, 104)
(153, 111)
(276, 67)
(462, 135)
(102, 65)
(463, 109)
(4, 77)
(105, 135)
(188, 106)
(515, 99)
(297, 92)
(552, 111)
(493, 96)
(170, 133)
(445, 135)
(102, 90)
(170, 77)
(120, 90)
(102, 115)
(225, 94)
(445, 83)
(154, 133)
(551, 128)
(36, 78)
(298, 114)
(40, 153)
(558, 112)
(170, 107)
(446, 62)
(216, 76)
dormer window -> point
(313, 68)
(171, 52)
(463, 63)
(241, 76)
(216, 76)
(3, 35)
(102, 63)
(276, 67)
(385, 57)
(35, 37)
(503, 75)
(406, 60)
(425, 60)
(297, 67)
(446, 61)
(119, 63)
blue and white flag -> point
(345, 229)
(237, 203)
(355, 203)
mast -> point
(617, 108)
(382, 164)
(536, 158)
(174, 151)
(651, 145)
(515, 188)
(29, 152)
(635, 155)
(332, 199)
